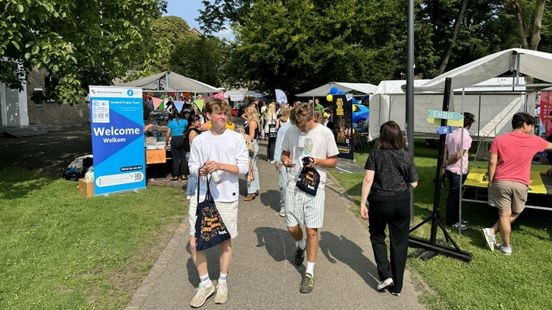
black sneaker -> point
(307, 284)
(299, 256)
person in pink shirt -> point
(509, 171)
(457, 145)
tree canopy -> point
(80, 42)
(298, 44)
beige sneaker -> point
(201, 295)
(222, 293)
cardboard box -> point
(156, 156)
(86, 188)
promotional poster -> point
(343, 120)
(117, 129)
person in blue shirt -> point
(175, 136)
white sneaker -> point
(201, 295)
(385, 283)
(489, 238)
(282, 212)
(462, 226)
(222, 293)
(506, 250)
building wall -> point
(52, 114)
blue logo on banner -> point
(130, 92)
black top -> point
(394, 170)
(256, 130)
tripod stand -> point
(430, 248)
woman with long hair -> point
(271, 128)
(252, 127)
(390, 176)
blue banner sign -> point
(117, 129)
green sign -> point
(445, 115)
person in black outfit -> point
(390, 175)
(175, 130)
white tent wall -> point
(493, 110)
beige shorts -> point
(228, 211)
(508, 195)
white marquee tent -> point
(492, 100)
(176, 83)
(355, 88)
(531, 63)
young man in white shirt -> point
(306, 139)
(222, 152)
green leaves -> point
(79, 42)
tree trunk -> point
(521, 26)
(457, 23)
(537, 24)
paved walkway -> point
(262, 274)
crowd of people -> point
(302, 148)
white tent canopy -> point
(321, 91)
(176, 83)
(532, 63)
(493, 102)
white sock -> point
(310, 268)
(302, 244)
(205, 281)
(222, 277)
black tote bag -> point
(209, 226)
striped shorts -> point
(302, 208)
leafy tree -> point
(168, 31)
(200, 58)
(298, 44)
(79, 42)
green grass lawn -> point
(61, 250)
(491, 280)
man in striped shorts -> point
(306, 139)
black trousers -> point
(270, 148)
(392, 211)
(453, 204)
(178, 154)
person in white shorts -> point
(308, 139)
(222, 154)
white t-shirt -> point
(319, 142)
(229, 147)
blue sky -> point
(188, 10)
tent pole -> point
(461, 166)
(410, 93)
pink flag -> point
(156, 102)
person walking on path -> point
(285, 123)
(252, 129)
(390, 175)
(457, 145)
(313, 145)
(176, 128)
(192, 132)
(222, 152)
(509, 175)
(271, 128)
